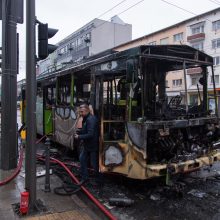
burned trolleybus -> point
(142, 134)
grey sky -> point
(145, 17)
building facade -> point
(96, 36)
(203, 33)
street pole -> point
(8, 158)
(30, 168)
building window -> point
(152, 43)
(79, 41)
(62, 51)
(216, 60)
(178, 37)
(87, 39)
(216, 79)
(216, 25)
(198, 45)
(216, 43)
(164, 41)
(197, 28)
(73, 45)
(194, 81)
(177, 82)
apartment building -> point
(201, 32)
(94, 37)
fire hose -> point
(16, 172)
(89, 195)
(18, 169)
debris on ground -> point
(155, 196)
(197, 193)
(121, 202)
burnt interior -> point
(181, 144)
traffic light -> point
(45, 33)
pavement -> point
(55, 206)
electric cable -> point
(137, 3)
(130, 7)
(111, 8)
(183, 9)
(215, 2)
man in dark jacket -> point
(90, 136)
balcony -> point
(193, 71)
(200, 36)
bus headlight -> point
(113, 156)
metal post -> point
(214, 88)
(8, 158)
(30, 181)
(205, 88)
(185, 83)
(47, 166)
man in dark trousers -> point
(90, 136)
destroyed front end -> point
(176, 146)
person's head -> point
(84, 110)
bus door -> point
(48, 102)
(113, 115)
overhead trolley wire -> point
(215, 2)
(130, 7)
(111, 9)
(121, 12)
(183, 9)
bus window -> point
(114, 108)
(81, 92)
(50, 95)
(114, 99)
(64, 91)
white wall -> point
(107, 35)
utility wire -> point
(121, 12)
(183, 9)
(111, 8)
(215, 2)
(130, 7)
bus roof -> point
(168, 53)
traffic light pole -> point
(30, 162)
(8, 147)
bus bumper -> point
(182, 167)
